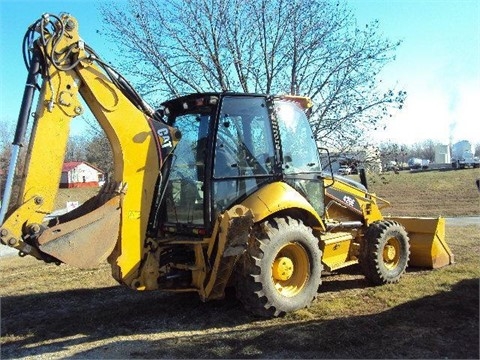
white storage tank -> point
(442, 154)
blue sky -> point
(438, 63)
(15, 17)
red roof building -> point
(80, 174)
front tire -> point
(386, 252)
(281, 270)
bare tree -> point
(6, 139)
(76, 148)
(424, 150)
(393, 152)
(99, 153)
(312, 48)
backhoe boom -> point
(70, 70)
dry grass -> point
(429, 193)
(74, 194)
(56, 312)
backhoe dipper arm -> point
(116, 219)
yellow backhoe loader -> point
(210, 190)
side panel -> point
(348, 201)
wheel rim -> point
(291, 269)
(391, 253)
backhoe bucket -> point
(86, 236)
(428, 247)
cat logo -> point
(165, 139)
(349, 201)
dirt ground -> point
(112, 322)
(50, 312)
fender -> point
(276, 197)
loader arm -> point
(112, 220)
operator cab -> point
(232, 145)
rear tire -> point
(281, 269)
(385, 253)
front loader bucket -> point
(428, 247)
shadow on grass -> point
(440, 326)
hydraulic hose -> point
(20, 131)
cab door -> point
(243, 150)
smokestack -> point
(451, 131)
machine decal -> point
(349, 201)
(166, 139)
(344, 199)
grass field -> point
(50, 311)
(429, 193)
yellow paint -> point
(336, 249)
(428, 247)
(45, 157)
(276, 197)
(136, 162)
(291, 269)
(282, 268)
(133, 215)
